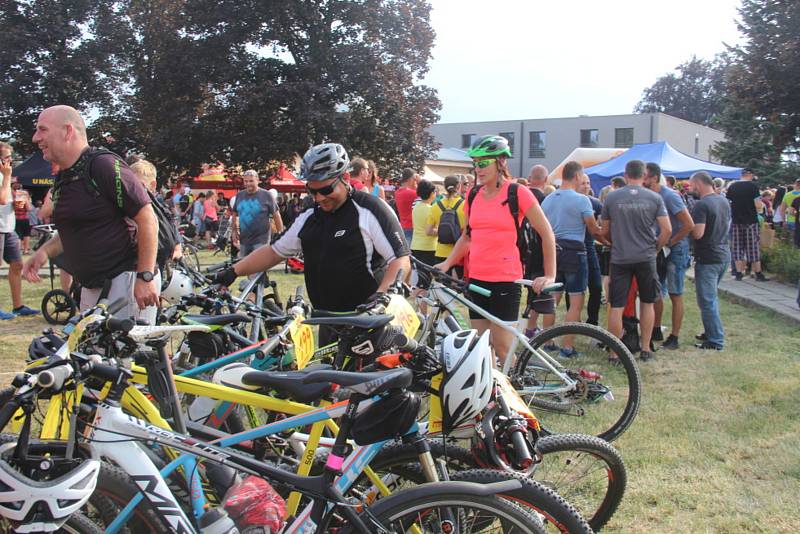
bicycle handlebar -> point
(479, 290)
(117, 305)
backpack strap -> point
(470, 198)
(86, 174)
(441, 206)
(460, 201)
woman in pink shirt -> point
(490, 240)
(211, 217)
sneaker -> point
(658, 335)
(5, 316)
(24, 310)
(761, 278)
(568, 353)
(705, 345)
(645, 355)
(738, 277)
(671, 343)
(530, 332)
(701, 336)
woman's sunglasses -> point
(324, 191)
(482, 164)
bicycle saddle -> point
(290, 384)
(363, 383)
(215, 320)
(366, 322)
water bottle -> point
(216, 521)
(201, 408)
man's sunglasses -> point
(324, 191)
(482, 164)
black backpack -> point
(526, 235)
(167, 232)
(449, 228)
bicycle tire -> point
(401, 459)
(621, 379)
(58, 307)
(611, 478)
(77, 523)
(408, 507)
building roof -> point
(451, 154)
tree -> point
(692, 92)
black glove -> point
(376, 299)
(225, 277)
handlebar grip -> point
(552, 287)
(54, 378)
(109, 373)
(479, 290)
(405, 343)
(523, 454)
(119, 325)
(117, 305)
(217, 267)
(298, 293)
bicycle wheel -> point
(76, 524)
(398, 465)
(586, 471)
(58, 307)
(606, 396)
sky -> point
(526, 59)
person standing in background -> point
(253, 209)
(452, 202)
(539, 304)
(22, 205)
(745, 199)
(404, 200)
(595, 281)
(210, 217)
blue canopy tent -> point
(672, 163)
(35, 172)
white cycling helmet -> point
(467, 384)
(61, 496)
(179, 286)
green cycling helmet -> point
(490, 145)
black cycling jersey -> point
(342, 249)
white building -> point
(549, 141)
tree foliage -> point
(244, 82)
(693, 92)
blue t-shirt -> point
(674, 204)
(565, 209)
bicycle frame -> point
(442, 297)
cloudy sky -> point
(523, 59)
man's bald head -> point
(538, 176)
(61, 135)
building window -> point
(589, 138)
(510, 137)
(696, 143)
(538, 144)
(623, 137)
(466, 140)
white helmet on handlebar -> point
(180, 285)
(60, 497)
(467, 384)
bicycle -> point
(600, 396)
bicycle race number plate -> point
(77, 332)
(303, 339)
(404, 315)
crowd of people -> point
(635, 239)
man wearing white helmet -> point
(252, 209)
(347, 239)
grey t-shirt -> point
(632, 211)
(715, 212)
(254, 211)
(674, 204)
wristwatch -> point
(147, 276)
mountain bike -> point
(597, 393)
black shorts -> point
(23, 228)
(604, 257)
(646, 280)
(425, 256)
(544, 304)
(211, 226)
(423, 279)
(503, 303)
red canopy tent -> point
(285, 182)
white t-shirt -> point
(7, 220)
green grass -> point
(715, 444)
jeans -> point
(595, 286)
(707, 277)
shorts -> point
(503, 303)
(604, 256)
(23, 228)
(745, 242)
(575, 283)
(9, 248)
(672, 280)
(456, 271)
(646, 278)
(420, 278)
(122, 287)
(425, 256)
(211, 225)
(542, 304)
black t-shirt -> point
(536, 267)
(741, 195)
(95, 224)
(343, 249)
(597, 208)
(715, 212)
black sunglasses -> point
(324, 191)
